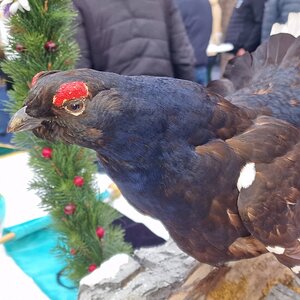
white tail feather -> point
(292, 26)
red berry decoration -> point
(20, 48)
(69, 209)
(47, 152)
(78, 181)
(92, 267)
(72, 251)
(100, 232)
(50, 46)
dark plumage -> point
(222, 176)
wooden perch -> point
(7, 237)
(249, 279)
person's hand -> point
(241, 52)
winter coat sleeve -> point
(182, 53)
(82, 40)
(270, 16)
(234, 29)
(254, 36)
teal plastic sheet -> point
(32, 250)
(2, 210)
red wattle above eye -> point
(70, 91)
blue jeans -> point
(201, 75)
(4, 117)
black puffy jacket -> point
(197, 18)
(244, 29)
(134, 37)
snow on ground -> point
(22, 205)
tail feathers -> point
(273, 51)
(241, 70)
(281, 50)
(292, 26)
(292, 57)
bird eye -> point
(75, 108)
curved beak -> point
(21, 121)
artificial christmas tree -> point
(40, 40)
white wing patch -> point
(276, 249)
(247, 176)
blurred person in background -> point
(197, 18)
(217, 32)
(134, 37)
(4, 117)
(277, 11)
(4, 85)
(244, 29)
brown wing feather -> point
(265, 140)
(270, 207)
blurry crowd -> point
(171, 37)
(142, 37)
(252, 20)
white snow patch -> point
(108, 269)
(292, 26)
(276, 249)
(247, 176)
(296, 269)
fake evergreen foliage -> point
(41, 39)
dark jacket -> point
(244, 29)
(197, 18)
(134, 37)
(277, 11)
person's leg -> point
(201, 75)
(4, 116)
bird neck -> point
(179, 174)
(150, 144)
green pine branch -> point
(78, 245)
